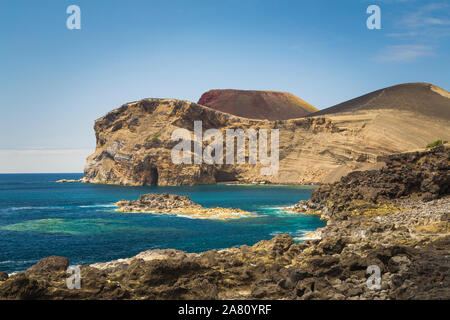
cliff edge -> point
(134, 141)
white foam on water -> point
(28, 208)
(36, 208)
(298, 235)
(19, 262)
(308, 235)
(109, 205)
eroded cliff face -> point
(134, 144)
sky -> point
(54, 82)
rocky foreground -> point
(179, 205)
(396, 219)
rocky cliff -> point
(134, 141)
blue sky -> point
(55, 82)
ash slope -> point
(421, 98)
(252, 104)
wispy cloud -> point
(437, 21)
(430, 15)
(394, 1)
(418, 33)
(403, 34)
(404, 53)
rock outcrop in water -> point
(134, 141)
(178, 205)
(409, 243)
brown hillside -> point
(271, 105)
(404, 117)
(424, 98)
(134, 141)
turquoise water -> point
(39, 218)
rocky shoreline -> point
(68, 181)
(395, 218)
(178, 205)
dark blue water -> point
(39, 218)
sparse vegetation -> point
(436, 143)
(155, 137)
(369, 209)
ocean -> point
(40, 218)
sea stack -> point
(178, 205)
